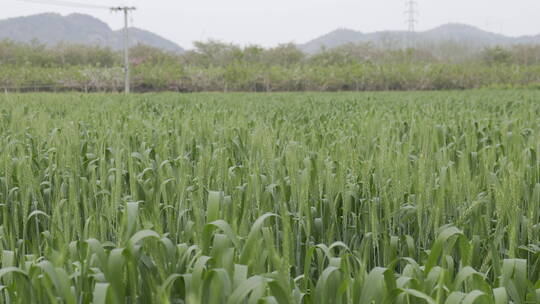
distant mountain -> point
(452, 32)
(51, 29)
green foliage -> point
(497, 55)
(280, 198)
(38, 55)
(217, 66)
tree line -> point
(218, 66)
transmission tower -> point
(411, 12)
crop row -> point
(280, 198)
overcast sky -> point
(271, 22)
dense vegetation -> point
(215, 66)
(280, 198)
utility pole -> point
(126, 11)
(412, 13)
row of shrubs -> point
(215, 66)
(359, 77)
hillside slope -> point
(51, 29)
(460, 33)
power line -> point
(68, 4)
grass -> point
(275, 198)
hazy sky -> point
(268, 22)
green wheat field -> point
(420, 197)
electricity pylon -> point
(411, 12)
